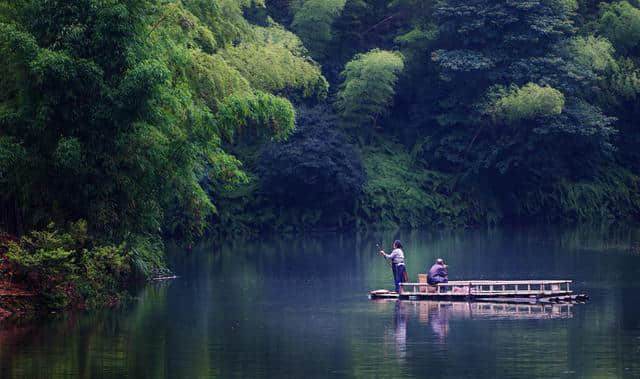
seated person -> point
(438, 273)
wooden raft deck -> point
(486, 290)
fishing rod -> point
(379, 248)
(385, 258)
(389, 263)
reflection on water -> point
(297, 307)
(437, 314)
(400, 328)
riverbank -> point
(57, 269)
(16, 301)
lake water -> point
(296, 306)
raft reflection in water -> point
(437, 314)
(501, 311)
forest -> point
(128, 123)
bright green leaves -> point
(526, 103)
(121, 107)
(275, 62)
(212, 78)
(593, 52)
(368, 86)
(222, 71)
(223, 19)
(175, 25)
(620, 23)
(17, 51)
(619, 77)
(312, 21)
(257, 112)
(401, 193)
(625, 81)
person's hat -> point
(440, 261)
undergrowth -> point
(67, 269)
(402, 192)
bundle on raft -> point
(517, 291)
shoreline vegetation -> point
(125, 123)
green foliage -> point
(526, 103)
(368, 86)
(66, 268)
(595, 53)
(276, 62)
(417, 41)
(222, 20)
(11, 154)
(309, 182)
(212, 78)
(241, 112)
(620, 23)
(562, 6)
(625, 81)
(312, 21)
(116, 112)
(69, 155)
(612, 195)
(402, 193)
(315, 168)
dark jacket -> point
(438, 274)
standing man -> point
(397, 264)
(438, 273)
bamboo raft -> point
(507, 291)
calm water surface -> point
(296, 307)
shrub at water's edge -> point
(65, 268)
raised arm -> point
(384, 254)
(388, 256)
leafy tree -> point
(87, 85)
(237, 112)
(112, 111)
(526, 103)
(312, 21)
(620, 23)
(368, 86)
(526, 44)
(276, 62)
(316, 165)
(594, 53)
